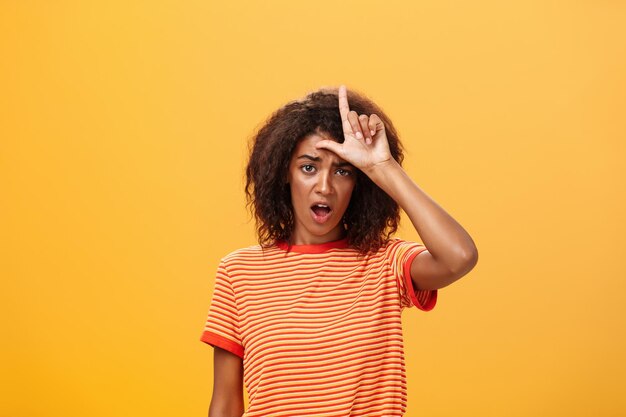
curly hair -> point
(371, 217)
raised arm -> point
(451, 251)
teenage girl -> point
(309, 320)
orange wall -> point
(123, 129)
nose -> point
(324, 184)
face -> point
(321, 185)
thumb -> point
(330, 145)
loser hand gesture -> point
(365, 141)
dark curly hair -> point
(371, 217)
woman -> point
(310, 319)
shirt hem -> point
(215, 339)
(431, 297)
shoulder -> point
(242, 252)
(385, 252)
(394, 241)
(248, 255)
(396, 246)
(393, 244)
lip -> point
(321, 219)
(322, 202)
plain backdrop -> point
(124, 128)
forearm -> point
(444, 237)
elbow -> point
(468, 261)
(472, 260)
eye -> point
(343, 172)
(307, 168)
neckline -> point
(315, 247)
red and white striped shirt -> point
(318, 328)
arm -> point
(227, 399)
(451, 251)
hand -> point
(365, 142)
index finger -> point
(344, 109)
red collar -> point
(314, 248)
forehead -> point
(306, 146)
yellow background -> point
(124, 129)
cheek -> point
(298, 189)
(302, 185)
(347, 193)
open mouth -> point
(320, 212)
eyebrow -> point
(317, 159)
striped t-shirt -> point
(319, 329)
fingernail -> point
(359, 135)
(373, 132)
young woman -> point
(310, 319)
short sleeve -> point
(401, 254)
(222, 324)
